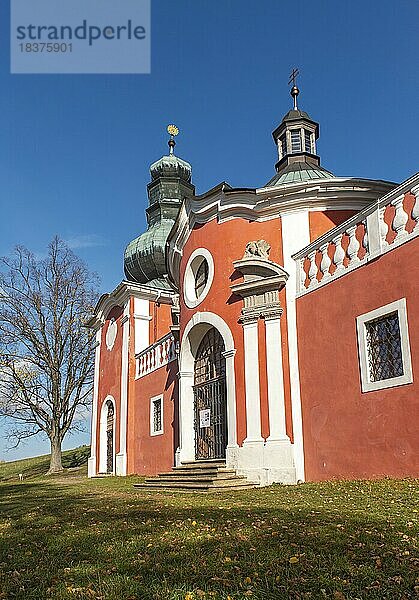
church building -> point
(273, 331)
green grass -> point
(76, 538)
(74, 460)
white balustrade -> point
(376, 224)
(339, 254)
(156, 356)
(354, 245)
(326, 261)
(400, 218)
(312, 272)
(383, 226)
(415, 209)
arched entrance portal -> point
(210, 398)
(109, 437)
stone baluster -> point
(303, 275)
(312, 272)
(383, 226)
(354, 246)
(164, 353)
(400, 218)
(158, 356)
(326, 261)
(415, 209)
(339, 254)
(365, 241)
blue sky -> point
(75, 149)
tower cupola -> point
(295, 138)
(145, 256)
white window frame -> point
(189, 293)
(367, 385)
(152, 401)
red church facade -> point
(273, 328)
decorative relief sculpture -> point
(259, 248)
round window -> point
(198, 277)
(111, 334)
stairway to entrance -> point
(198, 476)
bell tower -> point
(295, 138)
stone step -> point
(199, 476)
(201, 479)
(205, 464)
(194, 486)
(198, 472)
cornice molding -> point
(121, 295)
(225, 203)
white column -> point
(91, 464)
(186, 450)
(251, 375)
(295, 235)
(231, 398)
(121, 457)
(276, 398)
(142, 324)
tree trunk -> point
(55, 465)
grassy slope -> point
(77, 538)
(75, 459)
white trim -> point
(121, 294)
(252, 384)
(121, 457)
(275, 380)
(224, 203)
(142, 320)
(295, 235)
(152, 401)
(103, 449)
(91, 466)
(189, 294)
(367, 385)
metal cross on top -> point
(293, 76)
(294, 90)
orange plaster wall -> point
(320, 222)
(226, 242)
(110, 375)
(161, 320)
(347, 433)
(148, 454)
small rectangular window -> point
(295, 140)
(283, 141)
(384, 350)
(156, 415)
(307, 140)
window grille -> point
(157, 416)
(201, 278)
(295, 140)
(307, 140)
(385, 359)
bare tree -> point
(46, 358)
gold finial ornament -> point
(172, 130)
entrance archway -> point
(193, 335)
(210, 398)
(107, 437)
